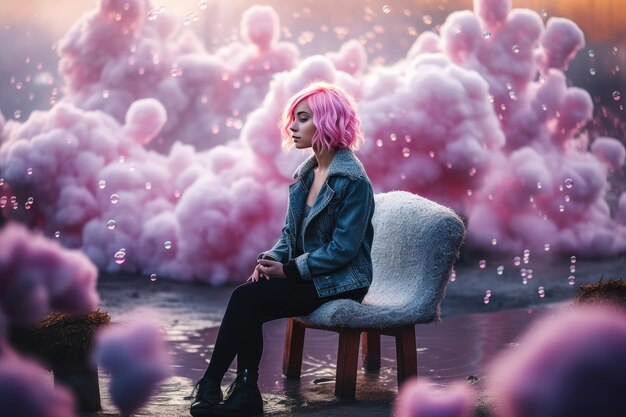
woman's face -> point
(302, 128)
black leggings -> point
(255, 303)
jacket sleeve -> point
(353, 219)
(280, 250)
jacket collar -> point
(344, 163)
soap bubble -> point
(111, 224)
(616, 95)
(167, 244)
(120, 257)
(515, 49)
(482, 264)
(541, 292)
(427, 19)
(516, 261)
(386, 9)
(102, 184)
(153, 277)
(500, 269)
(571, 280)
(572, 259)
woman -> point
(323, 253)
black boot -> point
(208, 395)
(244, 398)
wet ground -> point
(460, 347)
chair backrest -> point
(416, 242)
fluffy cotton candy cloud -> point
(419, 399)
(464, 119)
(26, 392)
(571, 365)
(38, 276)
(125, 51)
(137, 359)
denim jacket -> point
(337, 234)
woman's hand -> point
(257, 274)
(269, 269)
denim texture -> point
(337, 234)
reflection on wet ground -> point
(458, 348)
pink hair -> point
(335, 119)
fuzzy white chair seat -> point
(416, 242)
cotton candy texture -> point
(177, 144)
(136, 358)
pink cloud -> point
(136, 358)
(571, 365)
(25, 392)
(187, 150)
(38, 276)
(418, 398)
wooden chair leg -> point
(294, 345)
(370, 345)
(406, 353)
(347, 361)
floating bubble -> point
(546, 247)
(592, 71)
(406, 152)
(102, 184)
(453, 276)
(515, 49)
(569, 183)
(571, 280)
(486, 300)
(512, 95)
(524, 281)
(494, 241)
(541, 292)
(203, 5)
(148, 185)
(539, 186)
(105, 93)
(616, 95)
(111, 224)
(115, 198)
(572, 268)
(167, 244)
(153, 15)
(516, 261)
(591, 53)
(386, 9)
(379, 143)
(29, 171)
(529, 273)
(486, 34)
(153, 277)
(544, 13)
(17, 114)
(482, 264)
(523, 272)
(500, 269)
(561, 208)
(120, 257)
(526, 253)
(427, 19)
(488, 293)
(572, 259)
(57, 234)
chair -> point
(416, 242)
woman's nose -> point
(293, 127)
